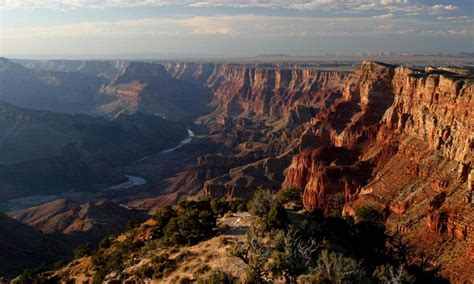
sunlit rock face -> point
(414, 129)
(258, 91)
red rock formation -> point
(406, 136)
(416, 129)
(259, 91)
(380, 103)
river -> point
(24, 202)
(136, 180)
(183, 142)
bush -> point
(82, 250)
(186, 205)
(131, 224)
(216, 277)
(292, 254)
(253, 274)
(261, 203)
(276, 218)
(335, 268)
(189, 227)
(219, 206)
(389, 274)
(59, 264)
(269, 211)
(162, 265)
(237, 205)
(290, 196)
(106, 242)
(164, 215)
(105, 262)
(162, 218)
(369, 214)
(31, 275)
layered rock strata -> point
(414, 130)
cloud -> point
(195, 26)
(444, 8)
(456, 19)
(238, 26)
(340, 5)
(384, 16)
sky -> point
(234, 28)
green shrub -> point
(269, 211)
(162, 218)
(277, 217)
(216, 276)
(219, 206)
(261, 203)
(290, 196)
(131, 224)
(369, 214)
(105, 262)
(164, 215)
(189, 227)
(237, 205)
(105, 242)
(335, 268)
(162, 265)
(82, 250)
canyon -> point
(396, 138)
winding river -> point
(183, 142)
(25, 202)
(136, 180)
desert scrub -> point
(223, 241)
(203, 268)
(162, 265)
(216, 276)
(185, 255)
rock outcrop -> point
(413, 132)
(263, 92)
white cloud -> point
(384, 16)
(243, 26)
(136, 27)
(456, 19)
(62, 4)
(444, 7)
(347, 5)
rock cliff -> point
(396, 138)
(264, 92)
(411, 133)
